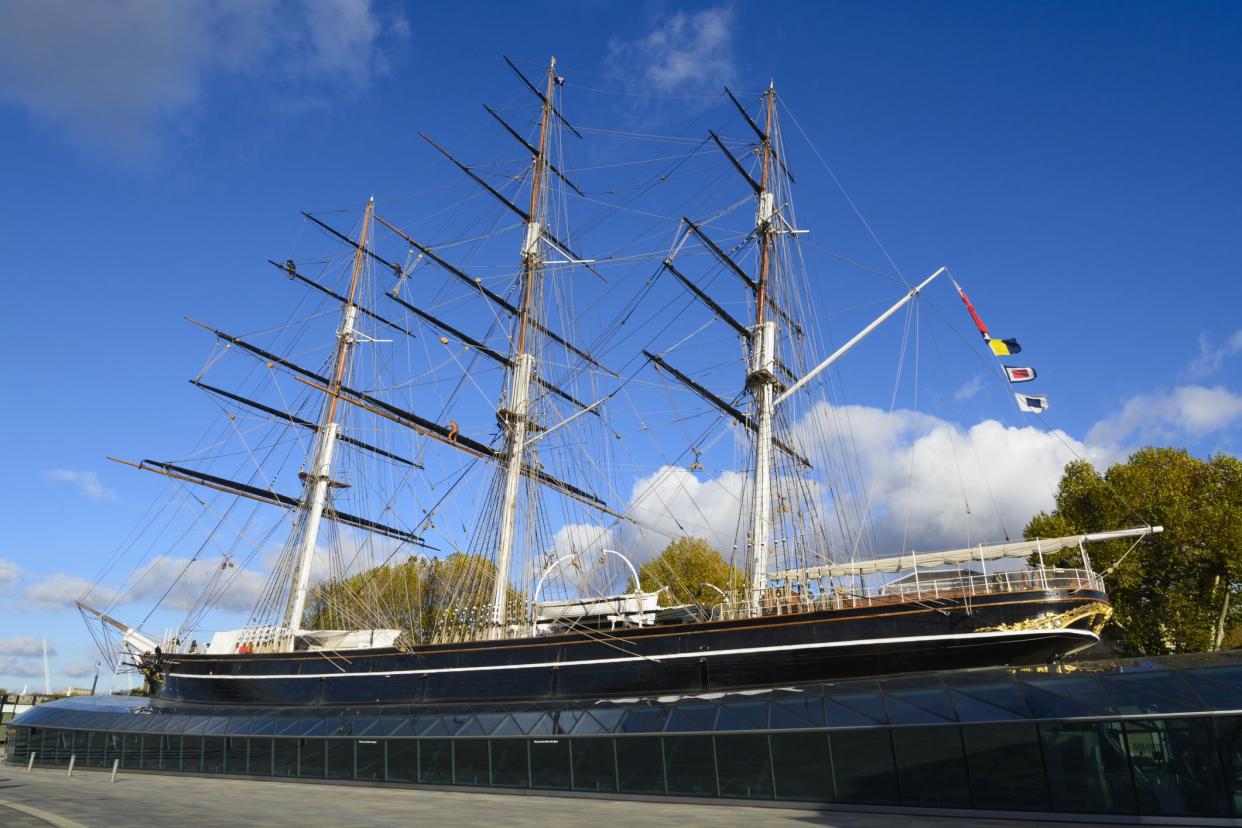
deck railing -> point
(935, 586)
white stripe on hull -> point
(1090, 637)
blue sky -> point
(1075, 164)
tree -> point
(684, 567)
(428, 599)
(1177, 591)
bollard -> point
(30, 764)
(72, 759)
(116, 763)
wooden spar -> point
(444, 434)
(720, 403)
(496, 298)
(484, 349)
(285, 415)
(532, 149)
(524, 215)
(737, 165)
(368, 251)
(306, 280)
(705, 299)
(758, 132)
(720, 254)
(223, 484)
(545, 98)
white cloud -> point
(683, 52)
(9, 572)
(181, 584)
(915, 468)
(86, 482)
(23, 646)
(59, 591)
(969, 390)
(82, 668)
(122, 75)
(1212, 357)
(20, 668)
(1186, 411)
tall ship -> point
(447, 473)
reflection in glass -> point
(640, 765)
(1176, 768)
(549, 763)
(744, 766)
(691, 765)
(1087, 768)
(931, 768)
(510, 767)
(1006, 767)
(800, 766)
(862, 765)
(594, 764)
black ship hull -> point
(977, 631)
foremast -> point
(318, 479)
(516, 416)
(761, 380)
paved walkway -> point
(46, 797)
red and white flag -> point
(1019, 374)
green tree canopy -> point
(428, 599)
(684, 566)
(1177, 591)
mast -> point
(516, 416)
(761, 380)
(319, 478)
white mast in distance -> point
(761, 380)
(516, 417)
(318, 479)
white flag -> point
(1034, 403)
(1019, 374)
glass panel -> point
(509, 765)
(1176, 769)
(340, 758)
(435, 762)
(150, 752)
(284, 757)
(259, 757)
(594, 765)
(93, 755)
(311, 758)
(1229, 742)
(856, 709)
(213, 754)
(470, 762)
(640, 765)
(643, 720)
(170, 753)
(743, 716)
(1087, 768)
(1067, 697)
(744, 766)
(403, 761)
(131, 757)
(1162, 692)
(192, 753)
(800, 766)
(930, 767)
(549, 763)
(698, 718)
(1006, 767)
(990, 703)
(1220, 688)
(691, 764)
(919, 707)
(862, 765)
(369, 759)
(797, 712)
(235, 754)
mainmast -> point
(761, 380)
(516, 418)
(318, 479)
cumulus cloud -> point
(60, 591)
(86, 482)
(969, 389)
(1211, 357)
(682, 52)
(9, 572)
(82, 668)
(1186, 411)
(23, 646)
(121, 76)
(20, 668)
(916, 470)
